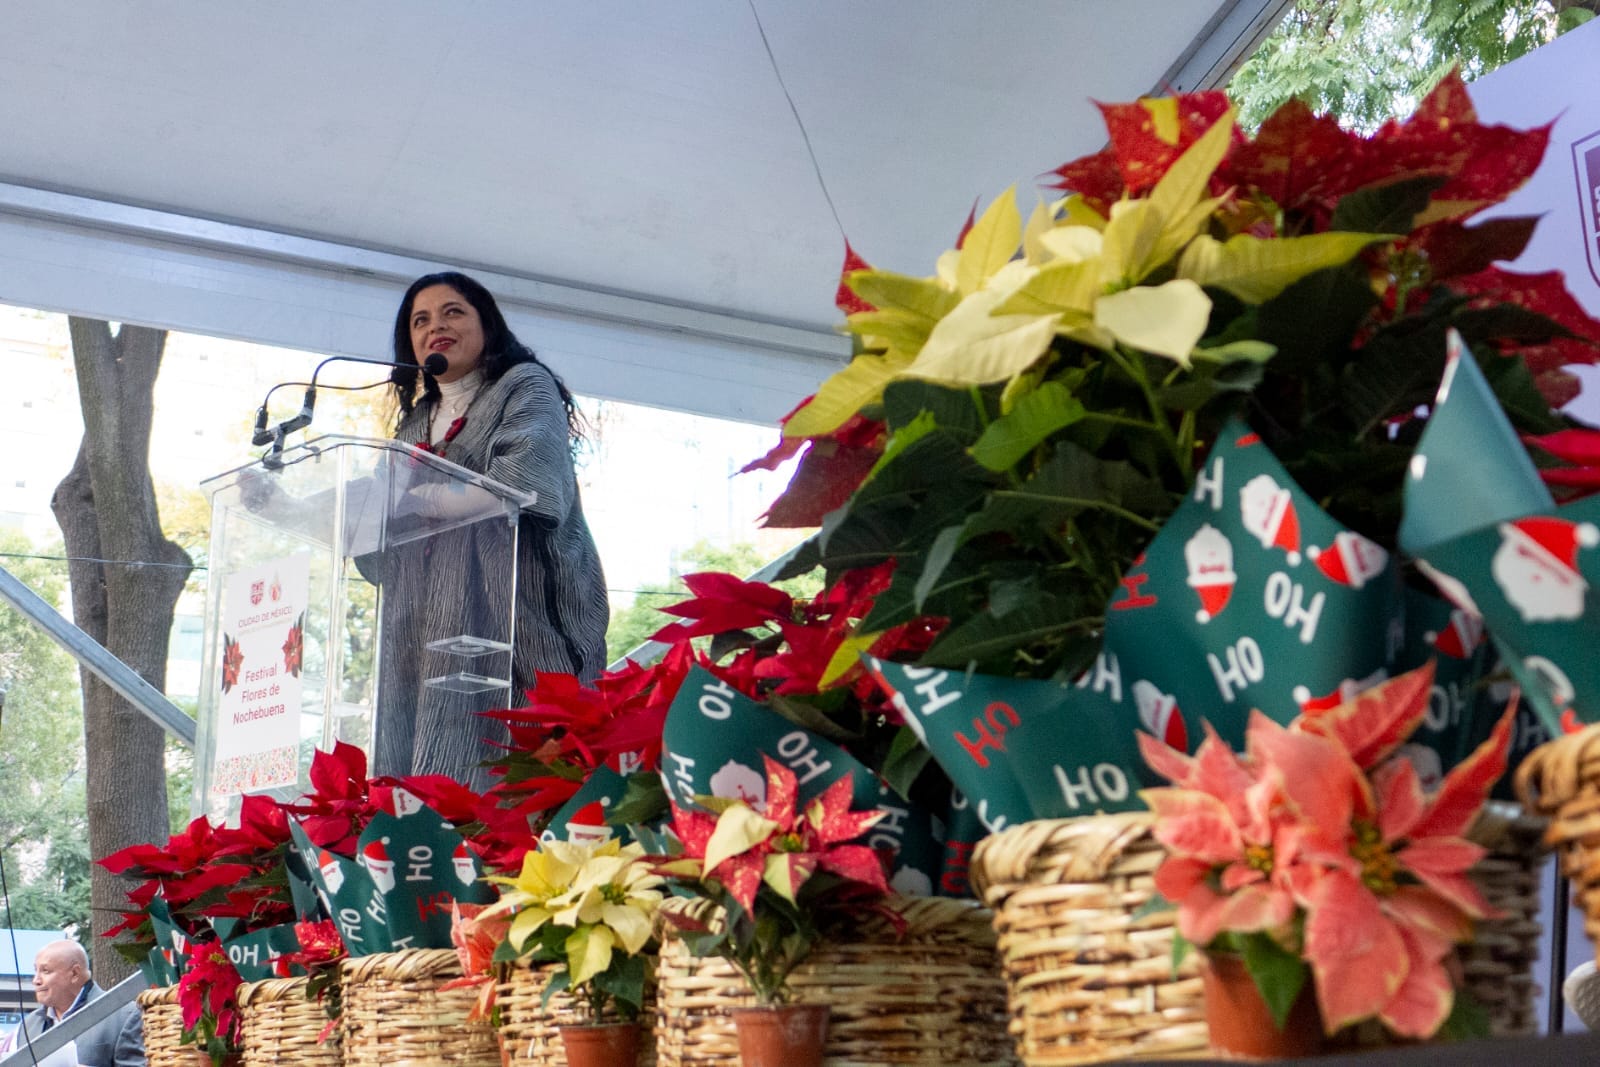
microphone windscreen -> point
(435, 364)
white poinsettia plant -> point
(590, 909)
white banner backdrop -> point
(1559, 82)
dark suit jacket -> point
(117, 1042)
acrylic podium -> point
(352, 583)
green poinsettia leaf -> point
(559, 982)
(644, 800)
(1071, 481)
(1468, 1019)
(1034, 418)
(935, 560)
(1199, 388)
(1519, 395)
(1247, 350)
(624, 982)
(1181, 946)
(953, 410)
(1311, 322)
(986, 639)
(1388, 208)
(905, 761)
(803, 713)
(1278, 973)
(1393, 375)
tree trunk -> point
(106, 508)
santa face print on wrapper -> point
(1209, 558)
(588, 824)
(735, 781)
(332, 873)
(375, 858)
(1268, 512)
(462, 862)
(1536, 567)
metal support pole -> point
(93, 655)
(1558, 953)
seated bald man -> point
(62, 984)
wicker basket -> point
(1498, 964)
(163, 1028)
(279, 1027)
(933, 997)
(530, 1032)
(1089, 972)
(1561, 780)
(395, 1013)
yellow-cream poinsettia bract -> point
(989, 315)
(607, 894)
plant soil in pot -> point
(602, 1045)
(782, 1035)
(1241, 1023)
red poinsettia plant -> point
(777, 874)
(1318, 854)
(208, 999)
(207, 872)
(567, 730)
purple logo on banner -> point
(1586, 160)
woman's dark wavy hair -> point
(501, 349)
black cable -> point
(201, 567)
(11, 928)
(804, 136)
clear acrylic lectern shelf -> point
(350, 585)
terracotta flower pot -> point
(784, 1035)
(1240, 1021)
(605, 1045)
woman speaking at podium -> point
(496, 410)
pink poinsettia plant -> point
(777, 873)
(1318, 853)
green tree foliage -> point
(632, 626)
(1365, 60)
(43, 826)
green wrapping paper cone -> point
(398, 890)
(255, 955)
(712, 745)
(1251, 596)
(1485, 528)
(1023, 749)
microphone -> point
(435, 365)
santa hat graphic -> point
(1553, 542)
(376, 853)
(1345, 690)
(588, 824)
(1460, 637)
(1209, 557)
(1309, 703)
(1353, 560)
(1159, 713)
(1270, 514)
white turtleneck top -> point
(454, 398)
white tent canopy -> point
(628, 177)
